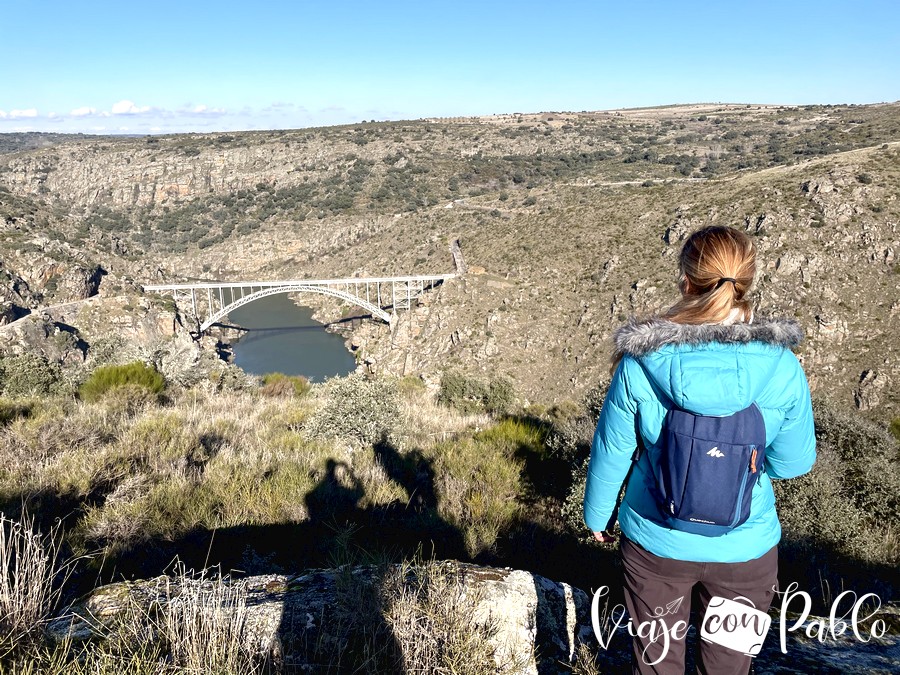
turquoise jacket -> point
(711, 369)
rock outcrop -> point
(530, 624)
(522, 622)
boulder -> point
(871, 386)
(9, 312)
(38, 333)
(75, 282)
(529, 624)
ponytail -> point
(717, 269)
(718, 265)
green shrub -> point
(573, 506)
(470, 395)
(480, 481)
(410, 385)
(106, 349)
(895, 427)
(30, 375)
(357, 407)
(460, 392)
(279, 384)
(573, 426)
(107, 378)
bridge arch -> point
(322, 290)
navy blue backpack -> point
(707, 469)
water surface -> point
(282, 337)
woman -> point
(710, 357)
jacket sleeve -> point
(615, 441)
(793, 451)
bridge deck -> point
(298, 282)
(218, 298)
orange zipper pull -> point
(753, 461)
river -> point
(282, 337)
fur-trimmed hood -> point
(640, 337)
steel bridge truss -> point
(210, 302)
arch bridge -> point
(211, 301)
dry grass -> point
(216, 460)
(28, 570)
(585, 662)
(205, 625)
(424, 421)
(198, 626)
(429, 611)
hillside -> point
(569, 221)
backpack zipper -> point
(740, 501)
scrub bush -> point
(107, 378)
(852, 495)
(470, 395)
(357, 407)
(573, 429)
(279, 384)
(30, 375)
(479, 480)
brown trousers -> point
(653, 586)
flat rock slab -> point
(533, 624)
(307, 622)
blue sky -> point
(119, 67)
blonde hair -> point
(717, 266)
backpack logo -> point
(715, 452)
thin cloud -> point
(278, 106)
(203, 111)
(126, 107)
(2, 114)
(83, 111)
(23, 114)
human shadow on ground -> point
(343, 528)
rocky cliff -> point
(570, 223)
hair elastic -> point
(724, 279)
